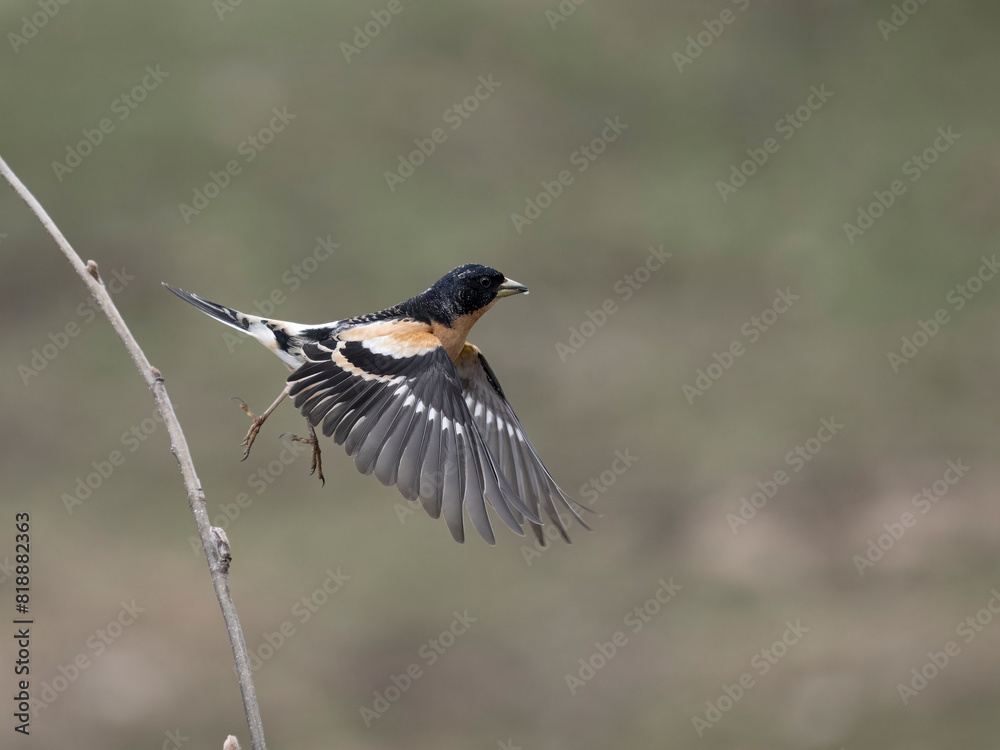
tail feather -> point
(227, 315)
(281, 337)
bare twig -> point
(213, 541)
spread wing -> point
(510, 447)
(390, 394)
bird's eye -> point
(485, 281)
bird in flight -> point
(414, 403)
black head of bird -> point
(468, 290)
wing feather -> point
(514, 455)
(389, 393)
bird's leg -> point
(258, 421)
(317, 462)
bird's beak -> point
(509, 287)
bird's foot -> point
(254, 427)
(317, 456)
(257, 421)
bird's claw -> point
(254, 428)
(317, 459)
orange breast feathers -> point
(453, 337)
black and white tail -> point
(281, 337)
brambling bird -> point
(414, 403)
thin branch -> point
(213, 540)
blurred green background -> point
(221, 71)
